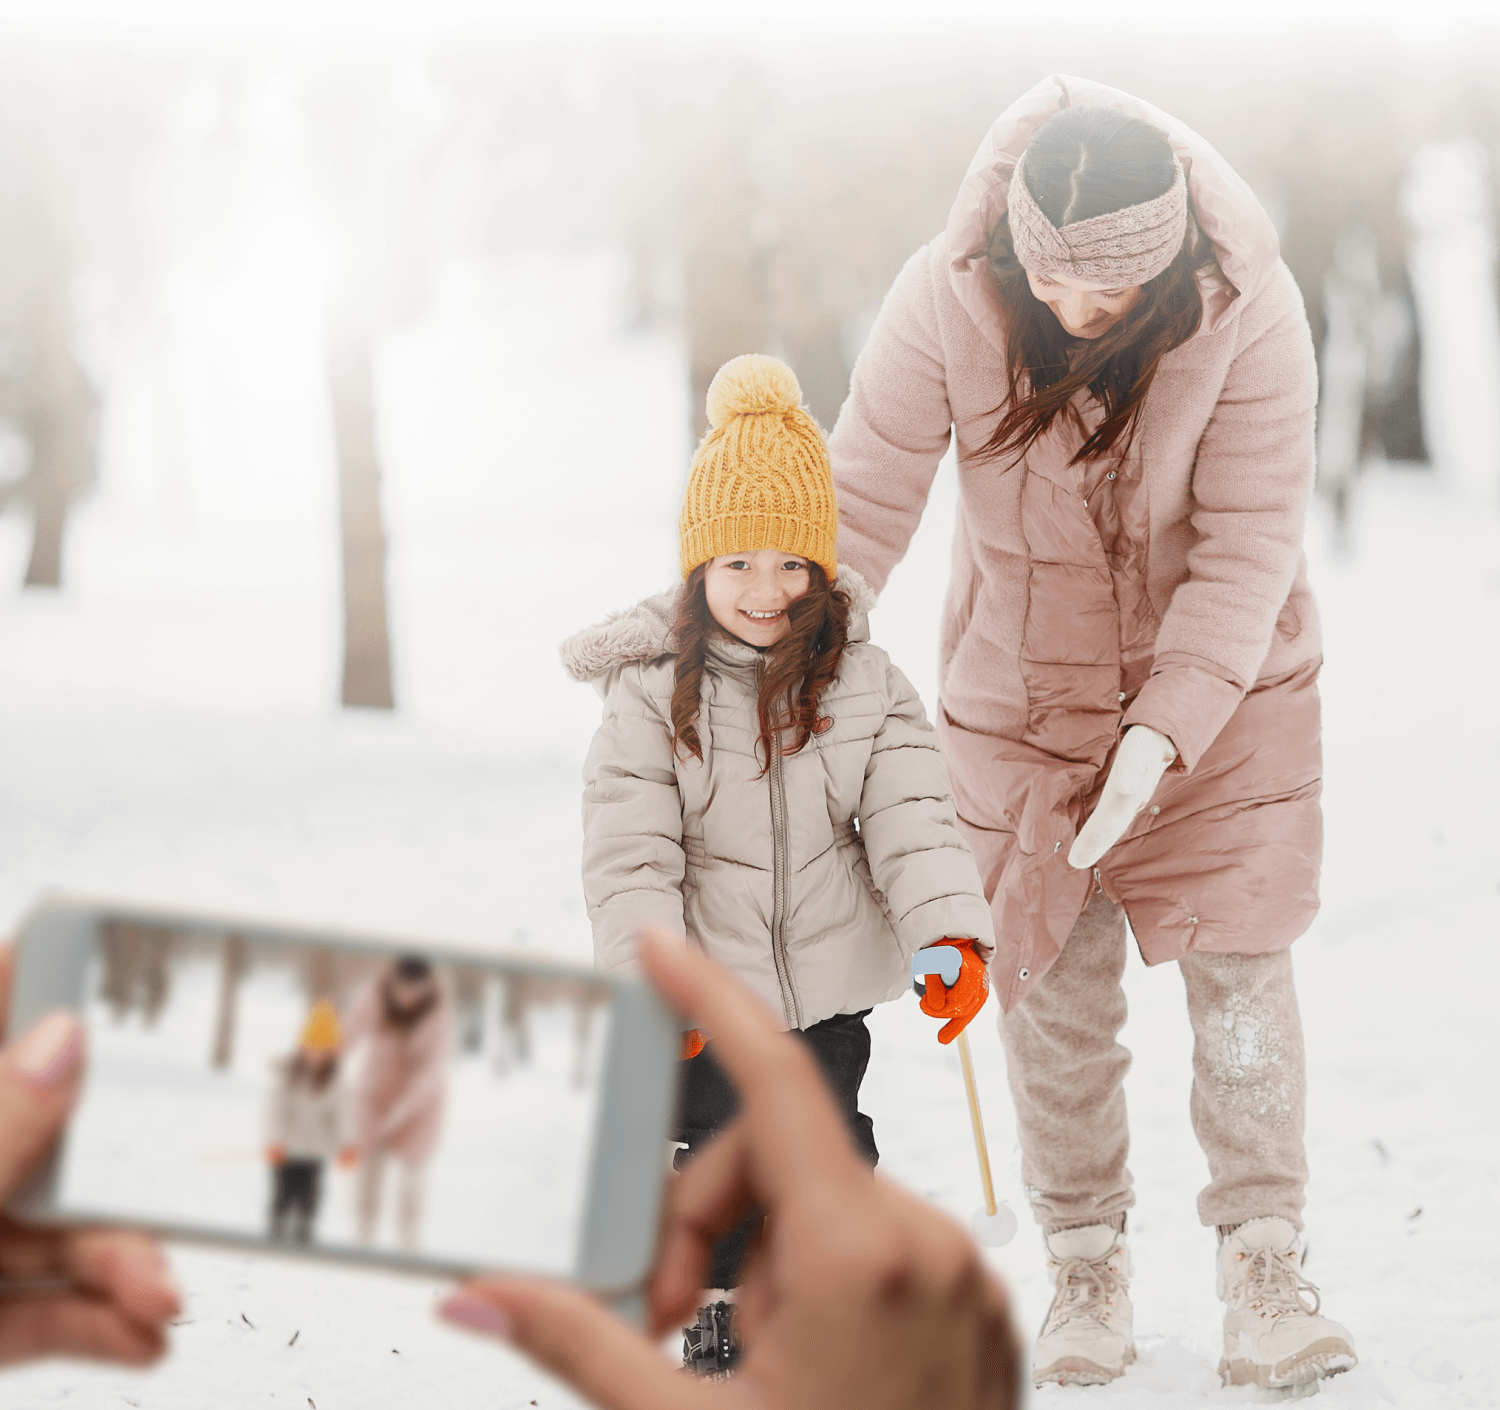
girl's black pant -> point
(294, 1198)
(708, 1102)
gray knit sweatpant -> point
(1067, 1074)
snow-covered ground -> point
(167, 732)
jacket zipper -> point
(789, 1003)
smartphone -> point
(347, 1097)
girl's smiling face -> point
(1085, 310)
(748, 593)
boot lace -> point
(1273, 1283)
(1085, 1288)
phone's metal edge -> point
(634, 1124)
(41, 972)
(304, 933)
(388, 1260)
(607, 1266)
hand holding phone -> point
(98, 1293)
(860, 1295)
(350, 1098)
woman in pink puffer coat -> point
(400, 1026)
(1108, 335)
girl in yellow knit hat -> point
(765, 779)
(307, 1124)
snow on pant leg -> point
(1249, 1085)
(1067, 1076)
(371, 1171)
(410, 1187)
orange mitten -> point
(957, 1000)
(275, 1155)
(692, 1044)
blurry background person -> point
(860, 1296)
(308, 1122)
(403, 1021)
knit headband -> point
(1119, 248)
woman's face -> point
(407, 993)
(749, 593)
(1085, 310)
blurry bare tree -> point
(419, 157)
(367, 641)
(728, 232)
(136, 968)
(44, 395)
(234, 960)
(1326, 155)
(1367, 334)
(795, 198)
(376, 131)
(470, 986)
(765, 198)
(520, 993)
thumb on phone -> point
(39, 1075)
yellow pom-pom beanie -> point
(321, 1033)
(760, 479)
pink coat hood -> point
(1243, 237)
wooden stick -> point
(977, 1120)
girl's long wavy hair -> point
(793, 674)
(1084, 162)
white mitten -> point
(1141, 760)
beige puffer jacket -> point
(307, 1122)
(813, 883)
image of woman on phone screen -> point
(403, 1023)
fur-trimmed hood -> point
(644, 632)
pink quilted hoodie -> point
(1165, 588)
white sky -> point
(1252, 17)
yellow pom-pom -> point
(752, 385)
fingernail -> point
(50, 1051)
(476, 1313)
(166, 1285)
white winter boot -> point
(1086, 1339)
(1273, 1333)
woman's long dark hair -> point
(1084, 162)
(793, 674)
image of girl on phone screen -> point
(307, 1124)
(766, 781)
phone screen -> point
(336, 1097)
